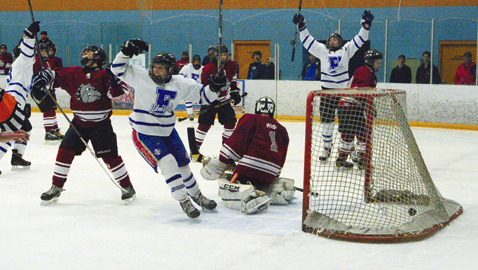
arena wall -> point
(170, 27)
(447, 106)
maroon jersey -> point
(259, 146)
(6, 61)
(363, 77)
(51, 63)
(90, 94)
(230, 69)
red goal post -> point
(391, 198)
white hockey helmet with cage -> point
(265, 105)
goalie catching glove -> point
(367, 19)
(214, 169)
(218, 82)
(134, 47)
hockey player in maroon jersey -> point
(50, 122)
(257, 149)
(6, 60)
(351, 113)
(91, 90)
(222, 106)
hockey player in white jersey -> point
(157, 93)
(334, 57)
(192, 71)
(14, 109)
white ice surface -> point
(90, 227)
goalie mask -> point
(162, 60)
(334, 45)
(265, 105)
(370, 56)
(96, 54)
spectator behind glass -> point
(311, 70)
(268, 69)
(255, 69)
(401, 73)
(466, 72)
(183, 61)
(206, 60)
(6, 60)
(423, 71)
(44, 39)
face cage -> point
(158, 79)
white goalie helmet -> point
(265, 105)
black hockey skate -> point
(18, 163)
(341, 162)
(189, 208)
(53, 136)
(51, 196)
(129, 195)
(325, 154)
(204, 202)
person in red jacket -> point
(351, 112)
(183, 61)
(222, 106)
(466, 72)
(91, 89)
(6, 60)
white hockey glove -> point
(281, 191)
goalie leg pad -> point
(242, 197)
(281, 191)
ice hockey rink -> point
(91, 228)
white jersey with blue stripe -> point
(190, 72)
(20, 76)
(334, 64)
(153, 104)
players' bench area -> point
(440, 106)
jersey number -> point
(163, 100)
(272, 134)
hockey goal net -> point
(390, 197)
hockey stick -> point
(295, 36)
(180, 119)
(220, 37)
(68, 119)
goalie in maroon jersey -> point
(91, 89)
(351, 112)
(257, 151)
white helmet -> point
(265, 105)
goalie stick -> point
(294, 41)
(68, 119)
(180, 119)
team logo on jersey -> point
(334, 62)
(87, 94)
(164, 101)
(157, 152)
